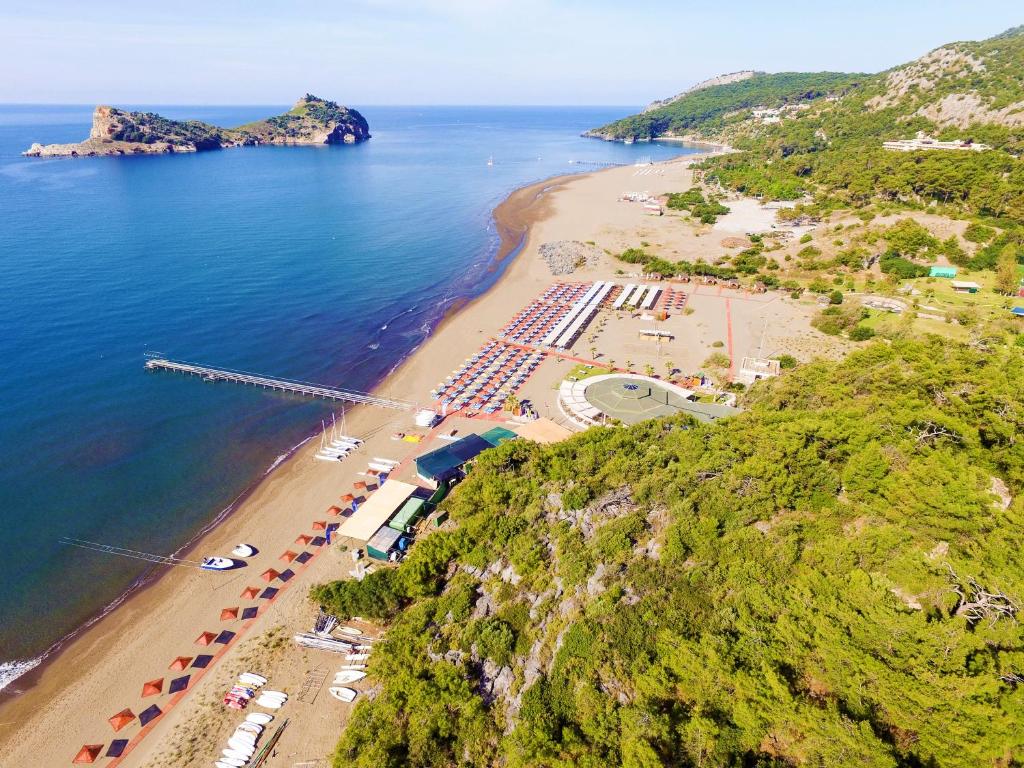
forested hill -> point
(972, 92)
(832, 578)
(708, 110)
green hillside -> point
(709, 110)
(830, 579)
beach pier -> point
(293, 386)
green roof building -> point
(408, 515)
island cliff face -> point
(116, 132)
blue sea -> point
(328, 264)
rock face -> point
(117, 132)
(731, 77)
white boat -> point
(334, 450)
(249, 727)
(348, 676)
(244, 550)
(238, 741)
(256, 681)
(260, 718)
(217, 563)
(343, 694)
(323, 457)
(270, 703)
(234, 762)
(276, 695)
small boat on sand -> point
(217, 563)
(260, 718)
(343, 694)
(348, 676)
(244, 550)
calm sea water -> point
(328, 264)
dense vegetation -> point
(834, 150)
(830, 579)
(149, 127)
(708, 109)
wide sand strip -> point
(103, 671)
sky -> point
(375, 52)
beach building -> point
(942, 272)
(411, 511)
(965, 286)
(628, 398)
(384, 542)
(445, 464)
(375, 512)
(755, 368)
(498, 435)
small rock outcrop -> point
(116, 132)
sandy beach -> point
(102, 672)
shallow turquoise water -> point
(286, 261)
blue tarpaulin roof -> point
(1018, 311)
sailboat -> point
(329, 452)
(490, 160)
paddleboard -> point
(343, 694)
(260, 718)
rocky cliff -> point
(116, 132)
(731, 77)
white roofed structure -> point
(377, 510)
(623, 296)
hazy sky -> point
(451, 51)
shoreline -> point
(513, 217)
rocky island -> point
(116, 132)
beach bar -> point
(446, 463)
(377, 510)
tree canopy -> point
(830, 578)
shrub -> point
(861, 333)
(836, 297)
(787, 362)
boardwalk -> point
(282, 385)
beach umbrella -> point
(205, 639)
(146, 715)
(229, 614)
(121, 719)
(180, 663)
(153, 687)
(269, 575)
(88, 753)
(359, 485)
(303, 540)
(348, 498)
(320, 525)
(334, 511)
(288, 556)
(250, 593)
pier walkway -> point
(293, 386)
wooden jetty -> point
(209, 373)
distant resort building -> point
(923, 141)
